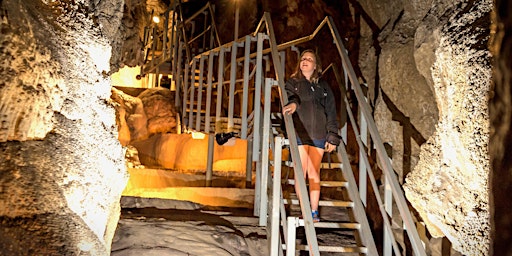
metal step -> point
(324, 183)
(331, 165)
(331, 203)
(203, 111)
(333, 225)
(346, 249)
(322, 166)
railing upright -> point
(164, 39)
(220, 81)
(200, 93)
(191, 97)
(232, 84)
(245, 93)
(362, 164)
(178, 78)
(265, 160)
(257, 95)
(207, 117)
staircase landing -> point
(225, 190)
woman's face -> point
(307, 63)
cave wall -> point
(62, 168)
(429, 66)
(449, 186)
(500, 144)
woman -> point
(312, 103)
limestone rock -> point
(151, 112)
(449, 186)
(182, 152)
(159, 109)
(61, 165)
(130, 117)
(500, 143)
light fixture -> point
(198, 135)
(156, 19)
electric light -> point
(156, 19)
(198, 135)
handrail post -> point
(200, 93)
(232, 84)
(248, 164)
(276, 197)
(362, 165)
(176, 48)
(209, 93)
(257, 96)
(164, 39)
(209, 161)
(388, 206)
(178, 78)
(265, 152)
(185, 93)
(192, 89)
(245, 94)
(220, 81)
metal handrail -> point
(302, 189)
(373, 181)
(398, 194)
(177, 25)
(265, 25)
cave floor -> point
(173, 213)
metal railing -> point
(208, 73)
(165, 43)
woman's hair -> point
(316, 73)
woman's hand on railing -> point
(329, 147)
(289, 108)
(332, 141)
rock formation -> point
(500, 110)
(62, 168)
(449, 186)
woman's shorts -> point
(319, 143)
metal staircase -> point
(244, 73)
(355, 225)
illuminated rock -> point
(62, 167)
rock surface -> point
(62, 168)
(500, 144)
(449, 186)
(169, 227)
(432, 82)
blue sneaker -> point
(316, 216)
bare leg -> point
(313, 172)
(311, 158)
(304, 159)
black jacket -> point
(316, 114)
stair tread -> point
(326, 183)
(335, 203)
(324, 248)
(323, 165)
(331, 224)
